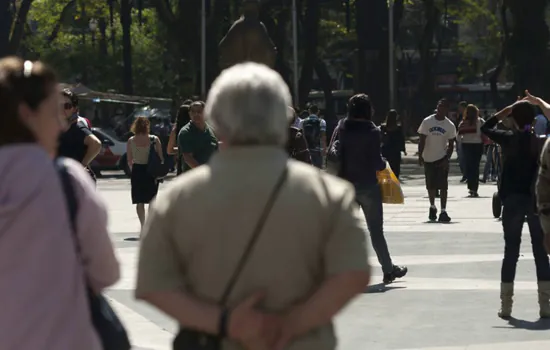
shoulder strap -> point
(68, 191)
(255, 235)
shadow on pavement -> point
(382, 288)
(539, 325)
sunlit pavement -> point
(448, 301)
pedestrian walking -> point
(277, 253)
(393, 141)
(315, 132)
(459, 154)
(297, 144)
(437, 136)
(359, 144)
(469, 133)
(196, 140)
(144, 186)
(44, 276)
(521, 152)
(182, 118)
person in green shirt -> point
(196, 140)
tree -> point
(13, 17)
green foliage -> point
(76, 52)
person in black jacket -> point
(360, 159)
(393, 141)
(520, 153)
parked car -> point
(112, 155)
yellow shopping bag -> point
(390, 186)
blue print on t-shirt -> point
(437, 130)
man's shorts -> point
(437, 174)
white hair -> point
(248, 104)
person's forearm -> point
(91, 153)
(329, 299)
(491, 122)
(450, 150)
(545, 106)
(421, 146)
(187, 311)
(190, 160)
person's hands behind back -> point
(252, 328)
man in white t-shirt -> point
(437, 136)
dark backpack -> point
(312, 132)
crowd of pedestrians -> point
(253, 278)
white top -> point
(473, 137)
(438, 133)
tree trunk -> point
(102, 24)
(527, 49)
(19, 26)
(493, 80)
(310, 40)
(425, 91)
(66, 11)
(326, 83)
(6, 20)
(126, 22)
(372, 75)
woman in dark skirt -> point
(144, 186)
(393, 141)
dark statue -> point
(247, 40)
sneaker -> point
(433, 214)
(398, 272)
(444, 217)
(463, 180)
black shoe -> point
(398, 272)
(463, 180)
(483, 181)
(474, 194)
(444, 217)
(433, 214)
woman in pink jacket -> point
(42, 288)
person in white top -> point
(472, 147)
(437, 136)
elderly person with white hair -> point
(253, 250)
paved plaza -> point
(448, 301)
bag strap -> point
(255, 235)
(68, 191)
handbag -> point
(334, 153)
(193, 340)
(110, 330)
(155, 167)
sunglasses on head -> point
(67, 105)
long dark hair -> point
(391, 119)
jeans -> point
(488, 170)
(471, 152)
(460, 156)
(516, 208)
(370, 200)
(316, 158)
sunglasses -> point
(67, 106)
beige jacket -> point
(198, 227)
(543, 188)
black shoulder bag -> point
(193, 340)
(155, 167)
(110, 330)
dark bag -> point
(155, 167)
(312, 132)
(193, 340)
(106, 322)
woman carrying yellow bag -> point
(390, 186)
